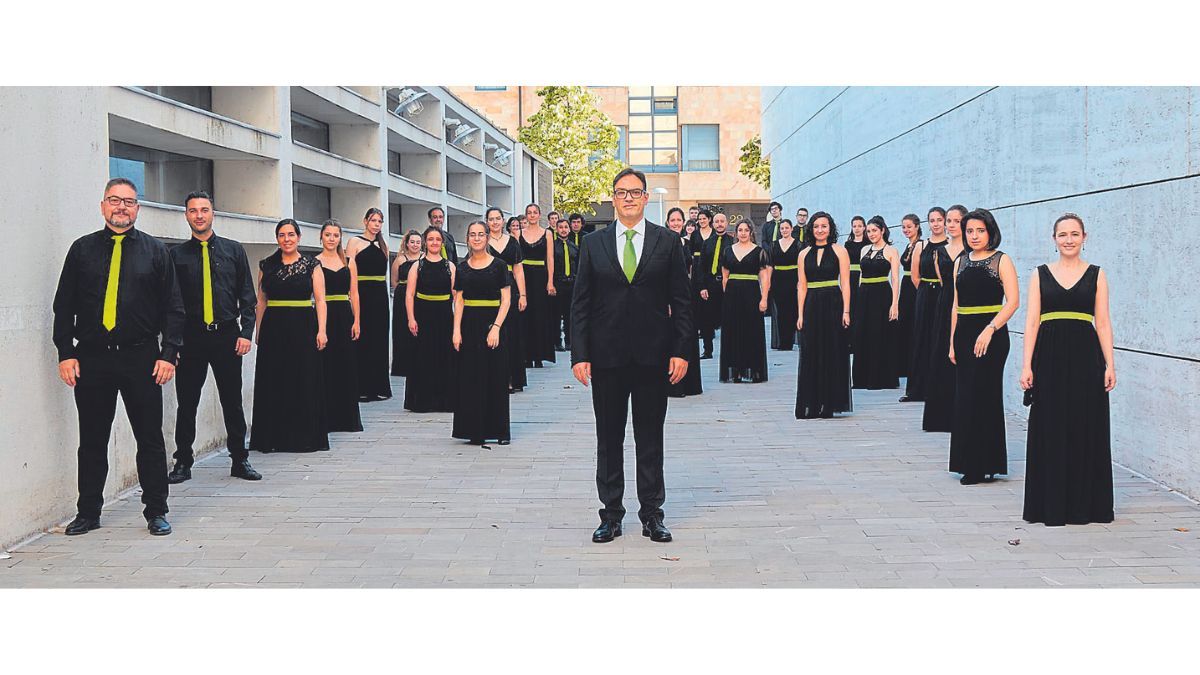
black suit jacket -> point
(615, 322)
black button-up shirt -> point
(232, 289)
(560, 267)
(148, 300)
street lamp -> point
(660, 191)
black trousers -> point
(565, 290)
(102, 375)
(201, 350)
(612, 389)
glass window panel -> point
(664, 105)
(395, 220)
(161, 177)
(639, 141)
(639, 91)
(640, 157)
(666, 91)
(310, 203)
(197, 97)
(310, 132)
(701, 147)
(394, 162)
(639, 106)
(665, 122)
(664, 140)
(640, 122)
(666, 157)
(491, 88)
(621, 144)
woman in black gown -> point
(854, 246)
(985, 297)
(481, 301)
(940, 380)
(506, 248)
(402, 340)
(370, 254)
(1068, 365)
(784, 254)
(289, 400)
(746, 278)
(823, 298)
(706, 321)
(691, 384)
(924, 304)
(338, 363)
(910, 225)
(430, 386)
(874, 317)
(539, 314)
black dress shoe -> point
(158, 525)
(504, 441)
(655, 529)
(241, 469)
(179, 474)
(82, 525)
(905, 399)
(970, 480)
(608, 530)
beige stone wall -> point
(737, 111)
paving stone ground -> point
(755, 498)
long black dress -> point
(402, 339)
(338, 359)
(691, 384)
(372, 345)
(743, 329)
(289, 403)
(481, 409)
(924, 307)
(940, 379)
(704, 329)
(539, 315)
(1068, 471)
(977, 443)
(823, 382)
(854, 250)
(874, 333)
(430, 386)
(904, 324)
(783, 295)
(513, 328)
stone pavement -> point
(755, 498)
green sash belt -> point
(289, 303)
(744, 277)
(380, 278)
(536, 263)
(855, 268)
(823, 284)
(433, 298)
(981, 309)
(931, 281)
(336, 298)
(480, 303)
(1050, 316)
(872, 280)
(784, 268)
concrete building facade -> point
(1126, 159)
(264, 153)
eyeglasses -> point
(622, 193)
(117, 201)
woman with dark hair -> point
(539, 317)
(924, 304)
(1067, 372)
(784, 254)
(985, 297)
(823, 299)
(854, 246)
(707, 320)
(874, 317)
(940, 381)
(911, 226)
(481, 300)
(430, 386)
(690, 385)
(370, 254)
(514, 226)
(689, 228)
(746, 280)
(289, 403)
(402, 340)
(338, 361)
(505, 247)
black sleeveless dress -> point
(289, 405)
(402, 340)
(854, 249)
(743, 329)
(372, 344)
(691, 384)
(924, 308)
(1068, 471)
(338, 358)
(904, 324)
(783, 295)
(538, 317)
(513, 327)
(430, 386)
(823, 383)
(481, 410)
(940, 379)
(875, 334)
(977, 442)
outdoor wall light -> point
(451, 122)
(409, 102)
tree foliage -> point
(753, 165)
(578, 141)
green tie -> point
(775, 234)
(717, 255)
(629, 259)
(567, 256)
(208, 308)
(114, 279)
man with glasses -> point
(770, 230)
(437, 218)
(116, 295)
(801, 221)
(631, 320)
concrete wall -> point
(1126, 159)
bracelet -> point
(493, 325)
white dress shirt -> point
(638, 239)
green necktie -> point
(629, 259)
(717, 254)
(567, 257)
(208, 305)
(114, 279)
(775, 234)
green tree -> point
(578, 141)
(753, 165)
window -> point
(701, 147)
(393, 162)
(310, 203)
(395, 222)
(622, 143)
(491, 88)
(654, 129)
(161, 177)
(197, 97)
(313, 133)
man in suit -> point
(770, 231)
(437, 218)
(631, 319)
